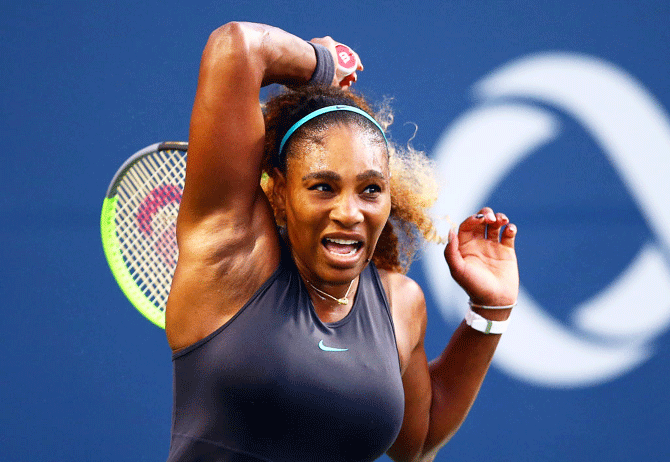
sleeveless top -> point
(276, 384)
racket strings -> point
(169, 177)
(141, 187)
(147, 208)
(153, 266)
(160, 204)
(143, 180)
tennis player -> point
(296, 334)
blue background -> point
(84, 85)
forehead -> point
(342, 148)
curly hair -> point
(413, 185)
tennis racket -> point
(346, 60)
(138, 225)
(346, 63)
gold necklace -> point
(342, 301)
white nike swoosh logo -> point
(327, 348)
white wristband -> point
(487, 307)
(484, 325)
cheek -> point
(379, 215)
(304, 218)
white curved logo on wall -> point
(613, 332)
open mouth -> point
(342, 247)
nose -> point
(347, 211)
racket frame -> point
(110, 241)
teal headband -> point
(323, 110)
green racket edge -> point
(112, 249)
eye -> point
(321, 187)
(372, 190)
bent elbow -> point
(230, 40)
(233, 32)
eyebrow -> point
(333, 176)
(322, 175)
(370, 174)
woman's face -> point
(336, 196)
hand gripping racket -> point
(138, 225)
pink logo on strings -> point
(165, 244)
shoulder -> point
(408, 310)
(402, 291)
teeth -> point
(342, 241)
(348, 254)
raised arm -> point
(439, 395)
(228, 244)
(227, 130)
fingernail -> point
(491, 217)
(479, 216)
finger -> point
(360, 63)
(493, 229)
(489, 216)
(347, 82)
(509, 236)
(476, 224)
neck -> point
(325, 295)
(329, 302)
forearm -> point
(456, 377)
(265, 55)
(238, 59)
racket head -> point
(138, 225)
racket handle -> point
(346, 61)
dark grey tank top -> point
(276, 384)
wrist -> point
(485, 324)
(493, 312)
(324, 71)
(497, 305)
(493, 315)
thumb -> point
(452, 254)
